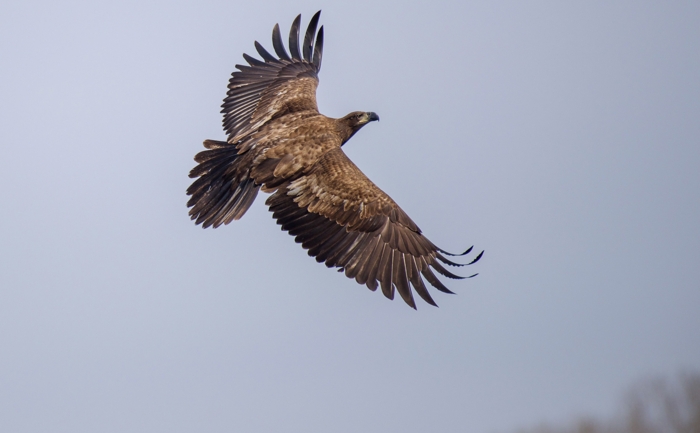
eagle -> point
(279, 142)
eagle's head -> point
(354, 121)
(358, 119)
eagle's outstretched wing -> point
(346, 221)
(276, 86)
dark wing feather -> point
(278, 45)
(318, 49)
(344, 220)
(294, 38)
(264, 54)
(309, 36)
(273, 86)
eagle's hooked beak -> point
(373, 116)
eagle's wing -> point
(346, 221)
(276, 86)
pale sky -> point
(561, 137)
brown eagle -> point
(280, 143)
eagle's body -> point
(279, 142)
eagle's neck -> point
(346, 131)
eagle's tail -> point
(224, 190)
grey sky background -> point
(561, 137)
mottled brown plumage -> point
(280, 143)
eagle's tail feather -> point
(224, 190)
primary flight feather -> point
(280, 143)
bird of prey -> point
(280, 143)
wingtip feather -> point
(278, 45)
(318, 49)
(294, 38)
(309, 36)
(476, 259)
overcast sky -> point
(561, 137)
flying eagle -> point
(280, 143)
